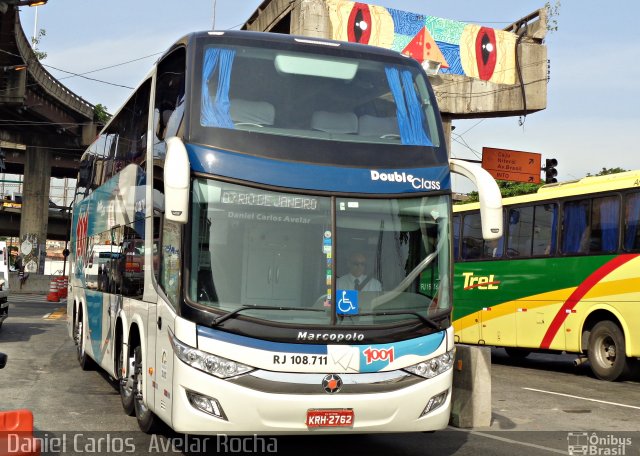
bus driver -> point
(357, 279)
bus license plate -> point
(330, 418)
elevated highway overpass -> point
(44, 129)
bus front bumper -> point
(250, 411)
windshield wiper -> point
(225, 317)
(425, 320)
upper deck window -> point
(317, 96)
(307, 92)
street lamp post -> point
(214, 15)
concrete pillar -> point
(447, 127)
(35, 209)
(471, 396)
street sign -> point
(512, 165)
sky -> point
(591, 121)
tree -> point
(508, 188)
(35, 41)
(553, 11)
(100, 114)
(605, 171)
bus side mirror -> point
(490, 197)
(177, 172)
(3, 360)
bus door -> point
(498, 324)
(160, 356)
(467, 316)
(468, 330)
(162, 316)
(109, 281)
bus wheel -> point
(147, 421)
(607, 352)
(517, 353)
(83, 358)
(126, 383)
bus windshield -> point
(291, 94)
(262, 248)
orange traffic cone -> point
(65, 285)
(16, 433)
(53, 291)
(62, 289)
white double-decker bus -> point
(221, 208)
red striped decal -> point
(579, 293)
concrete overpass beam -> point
(35, 208)
(89, 133)
(447, 127)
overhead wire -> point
(462, 142)
(90, 79)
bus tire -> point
(83, 359)
(125, 384)
(607, 352)
(147, 420)
(517, 353)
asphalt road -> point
(541, 405)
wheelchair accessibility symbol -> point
(347, 302)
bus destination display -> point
(269, 200)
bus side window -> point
(605, 224)
(131, 262)
(456, 236)
(545, 227)
(520, 231)
(576, 227)
(631, 222)
(472, 241)
(169, 100)
(157, 239)
(171, 256)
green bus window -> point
(456, 236)
(575, 227)
(605, 224)
(472, 242)
(520, 230)
(631, 222)
(544, 229)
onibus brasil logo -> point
(584, 443)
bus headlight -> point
(434, 366)
(206, 362)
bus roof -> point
(584, 186)
(300, 39)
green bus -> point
(565, 276)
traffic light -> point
(550, 171)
